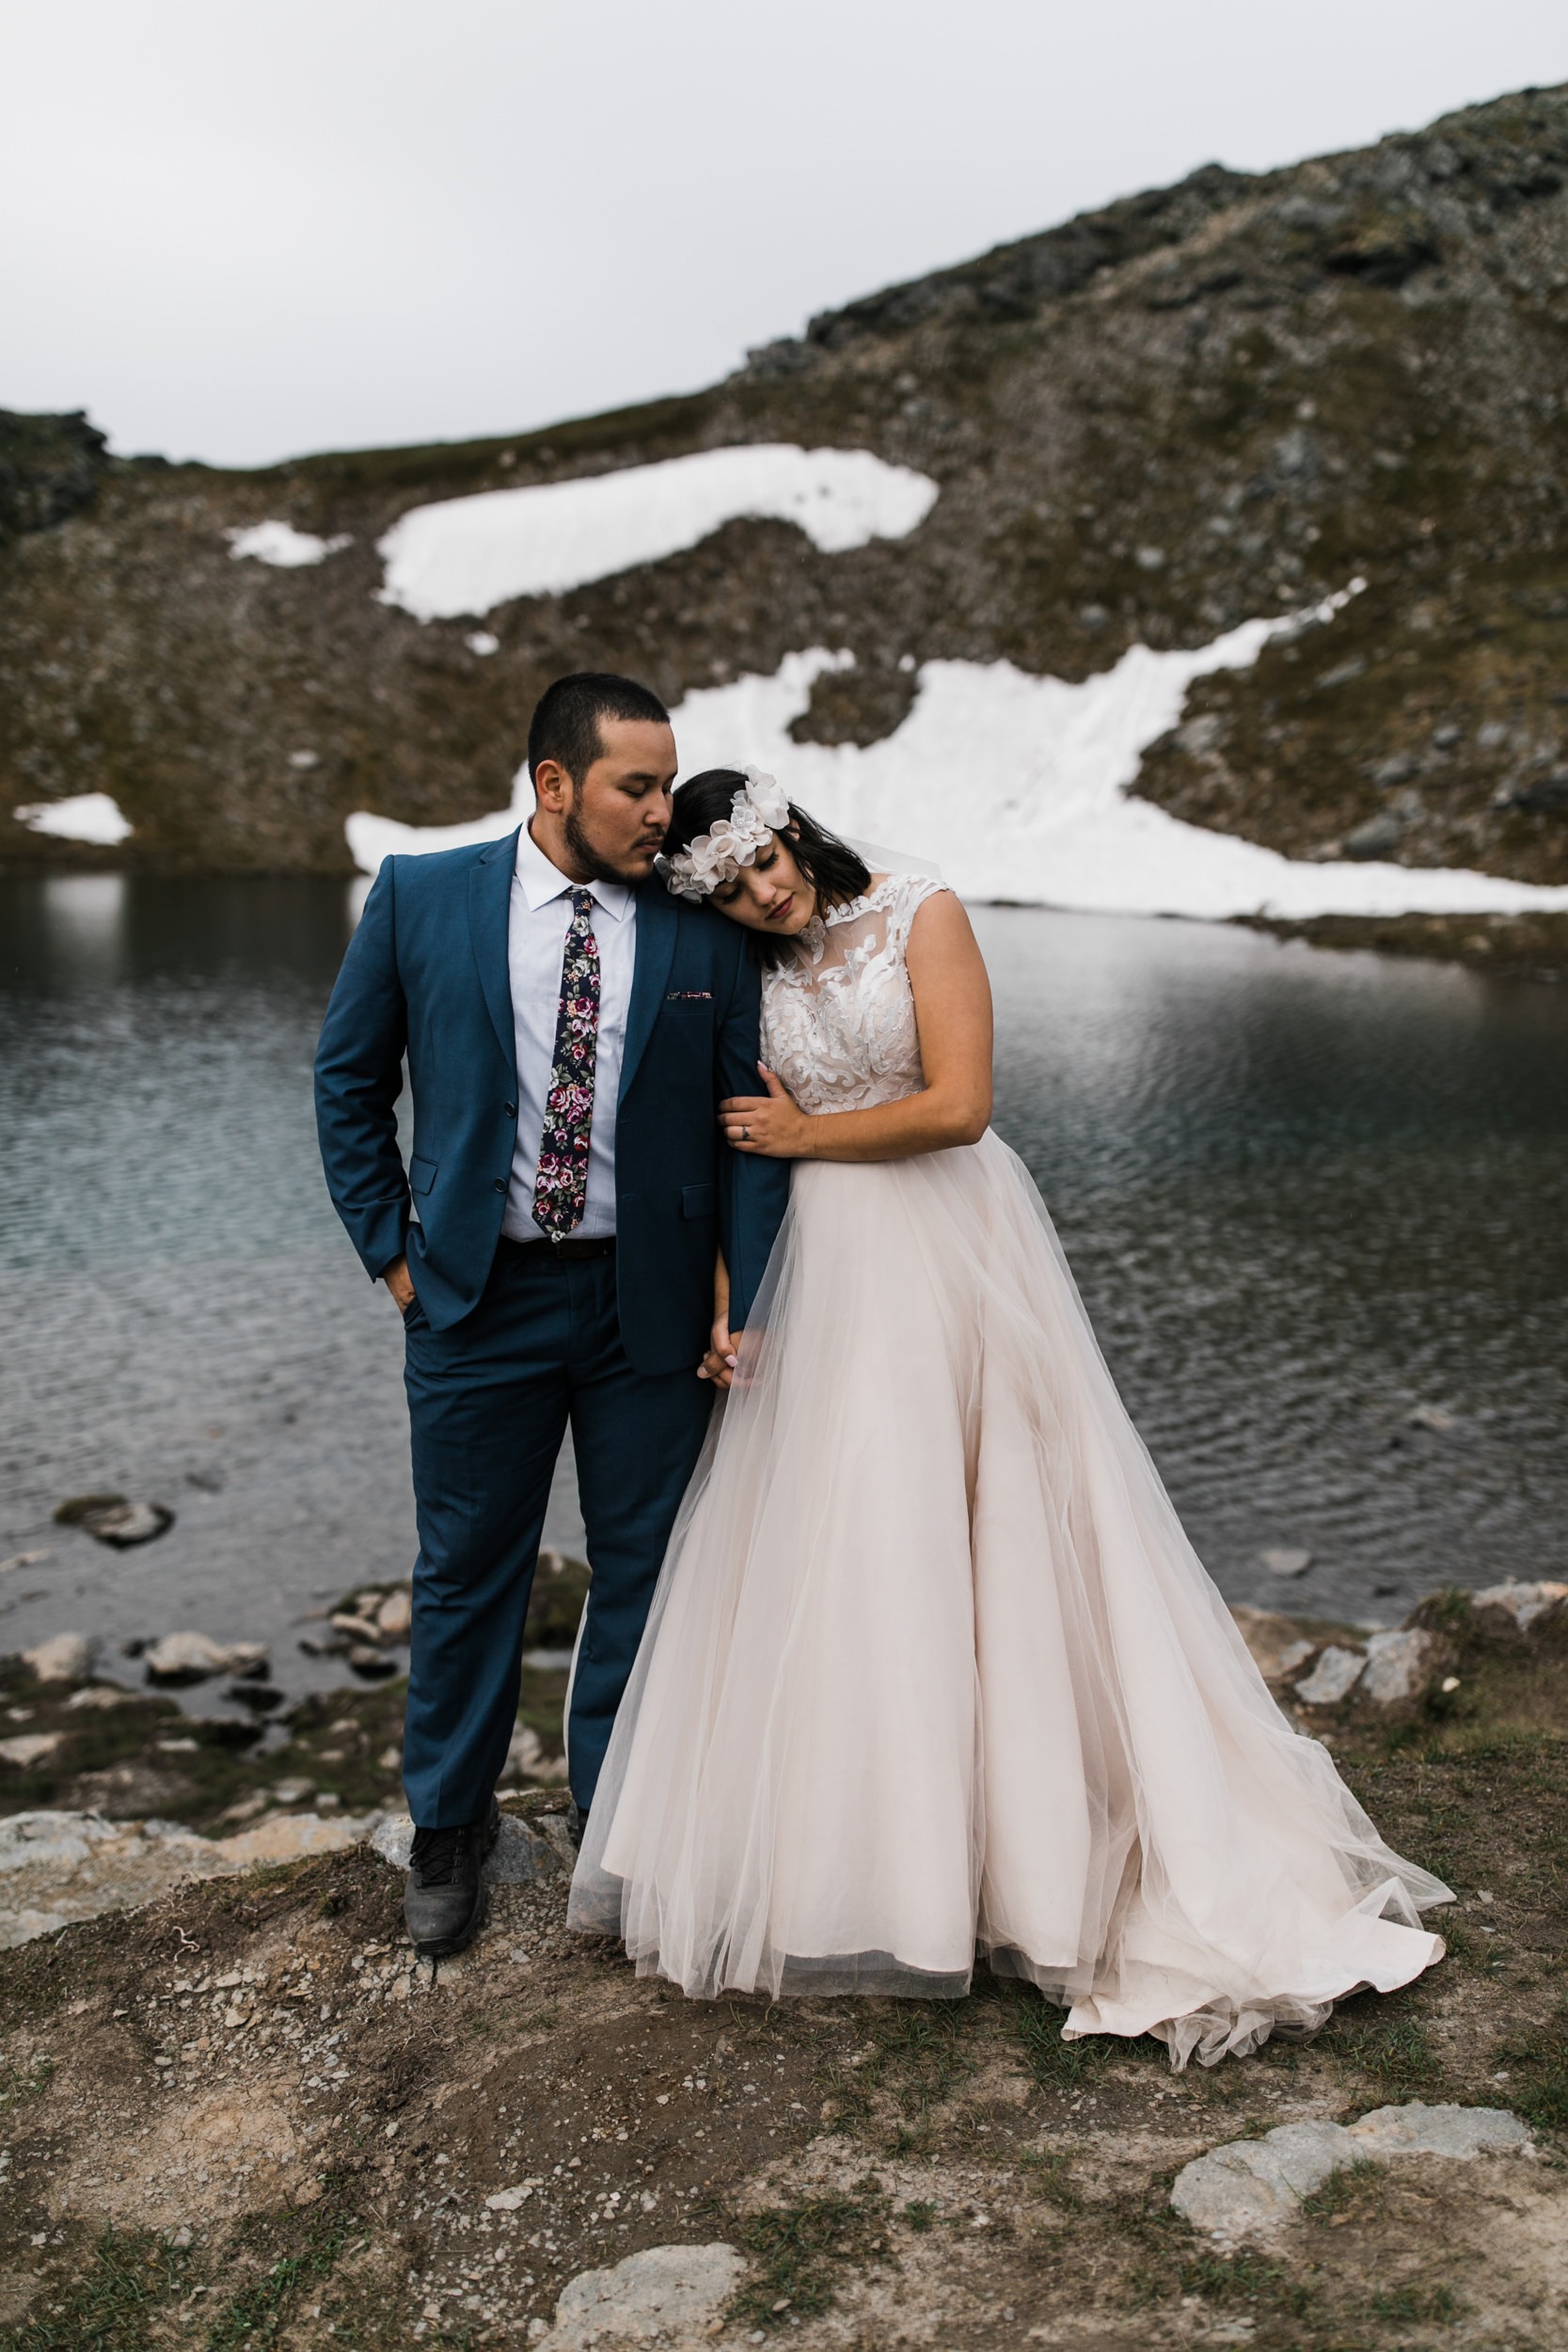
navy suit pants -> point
(489, 1400)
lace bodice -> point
(838, 1016)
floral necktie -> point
(560, 1189)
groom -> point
(570, 1029)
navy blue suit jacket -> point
(426, 975)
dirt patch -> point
(244, 2114)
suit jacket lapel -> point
(490, 913)
(658, 919)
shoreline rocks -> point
(58, 1867)
(65, 1657)
(191, 1657)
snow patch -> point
(282, 545)
(468, 555)
(90, 817)
(1018, 786)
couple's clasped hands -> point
(773, 1127)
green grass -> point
(915, 2053)
(796, 2250)
(1417, 2302)
(1542, 2058)
(263, 2309)
(1072, 2065)
(1343, 2190)
(131, 2280)
(1391, 2052)
(1052, 2176)
(18, 2084)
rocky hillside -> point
(1199, 405)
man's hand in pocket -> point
(397, 1281)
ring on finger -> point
(745, 1135)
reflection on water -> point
(1303, 1194)
(84, 916)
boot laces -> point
(440, 1854)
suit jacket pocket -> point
(422, 1174)
(699, 1201)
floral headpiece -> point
(758, 810)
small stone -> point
(1428, 1417)
(99, 1695)
(1397, 1666)
(1524, 1603)
(354, 1628)
(194, 1658)
(679, 2290)
(122, 1524)
(1335, 1673)
(1377, 838)
(66, 1657)
(1294, 1654)
(372, 1665)
(75, 1508)
(30, 1748)
(1284, 1562)
(395, 1616)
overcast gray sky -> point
(238, 229)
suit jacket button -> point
(510, 1110)
(499, 1185)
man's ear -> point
(552, 784)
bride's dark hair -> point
(831, 867)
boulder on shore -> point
(193, 1658)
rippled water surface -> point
(1304, 1195)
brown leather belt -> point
(567, 1249)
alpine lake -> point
(1317, 1205)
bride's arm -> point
(952, 1008)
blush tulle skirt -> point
(932, 1671)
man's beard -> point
(593, 861)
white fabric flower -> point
(717, 857)
(768, 797)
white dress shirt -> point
(537, 924)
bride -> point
(932, 1669)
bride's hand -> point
(718, 1364)
(773, 1127)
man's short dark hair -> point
(566, 723)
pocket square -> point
(689, 996)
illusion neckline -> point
(814, 938)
